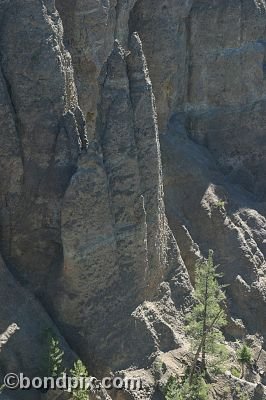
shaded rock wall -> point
(117, 244)
(90, 30)
(82, 215)
(210, 213)
(40, 137)
(27, 348)
(207, 63)
(84, 227)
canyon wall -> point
(132, 142)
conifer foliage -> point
(244, 356)
(206, 319)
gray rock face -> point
(23, 326)
(209, 90)
(90, 30)
(40, 137)
(215, 77)
(90, 226)
(117, 244)
(165, 50)
(220, 216)
(89, 35)
(83, 225)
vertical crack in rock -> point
(89, 28)
(165, 51)
(11, 171)
(148, 150)
(123, 9)
(8, 91)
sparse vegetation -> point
(239, 394)
(220, 204)
(235, 372)
(204, 324)
(54, 367)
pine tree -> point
(206, 318)
(244, 358)
(54, 358)
(175, 390)
(79, 371)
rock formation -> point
(117, 244)
(212, 78)
(132, 141)
(211, 90)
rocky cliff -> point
(132, 141)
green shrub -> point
(235, 372)
(244, 356)
(198, 390)
(220, 204)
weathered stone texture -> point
(207, 62)
(90, 30)
(26, 350)
(83, 223)
(116, 240)
(41, 141)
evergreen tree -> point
(55, 357)
(79, 371)
(244, 358)
(206, 318)
(180, 391)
